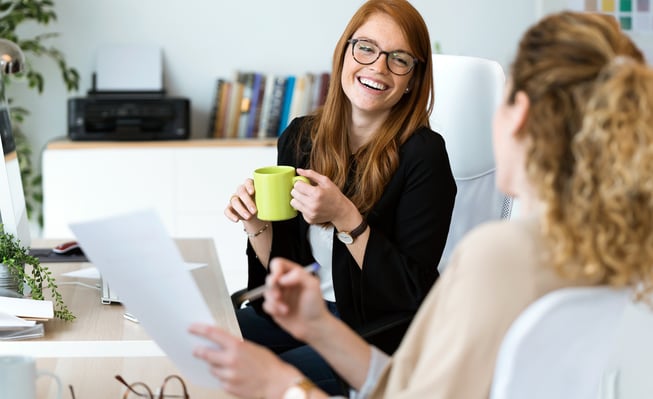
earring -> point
(407, 90)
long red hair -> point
(379, 158)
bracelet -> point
(261, 230)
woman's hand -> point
(241, 204)
(294, 299)
(320, 202)
(244, 368)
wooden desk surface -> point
(93, 377)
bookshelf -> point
(258, 105)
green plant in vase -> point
(16, 258)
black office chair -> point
(237, 298)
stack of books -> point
(255, 105)
(22, 318)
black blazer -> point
(408, 231)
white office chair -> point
(467, 92)
(560, 345)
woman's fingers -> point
(242, 367)
(241, 204)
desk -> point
(104, 336)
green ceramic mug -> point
(272, 186)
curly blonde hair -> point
(590, 151)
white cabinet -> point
(187, 182)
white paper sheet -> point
(137, 256)
(129, 67)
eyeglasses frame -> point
(353, 42)
(149, 394)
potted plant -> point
(13, 14)
(15, 259)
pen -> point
(130, 317)
(258, 291)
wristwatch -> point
(299, 390)
(348, 237)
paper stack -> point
(19, 316)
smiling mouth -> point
(372, 84)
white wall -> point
(203, 40)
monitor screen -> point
(13, 212)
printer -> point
(127, 100)
(128, 117)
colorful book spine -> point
(214, 108)
(258, 86)
(234, 111)
(266, 105)
(287, 101)
(222, 109)
(276, 106)
(324, 88)
(247, 80)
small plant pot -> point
(8, 280)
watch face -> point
(345, 238)
(295, 392)
(300, 390)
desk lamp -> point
(11, 57)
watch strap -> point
(358, 230)
(348, 237)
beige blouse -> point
(450, 350)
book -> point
(325, 79)
(298, 101)
(221, 115)
(265, 106)
(247, 80)
(315, 92)
(234, 110)
(276, 106)
(287, 100)
(297, 93)
(258, 87)
(214, 108)
(308, 103)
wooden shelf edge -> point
(78, 145)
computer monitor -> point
(13, 211)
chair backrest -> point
(560, 345)
(467, 92)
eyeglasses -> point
(366, 53)
(142, 390)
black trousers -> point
(263, 331)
